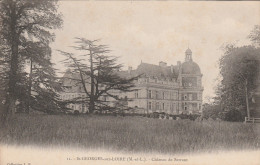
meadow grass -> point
(130, 134)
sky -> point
(153, 31)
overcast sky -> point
(159, 31)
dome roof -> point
(190, 67)
(188, 51)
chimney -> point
(178, 63)
(162, 64)
(129, 69)
(171, 68)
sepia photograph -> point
(129, 82)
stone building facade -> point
(173, 89)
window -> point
(162, 106)
(163, 95)
(185, 97)
(157, 106)
(136, 94)
(149, 105)
(190, 96)
(156, 94)
(149, 94)
(195, 96)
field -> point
(130, 134)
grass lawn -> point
(130, 134)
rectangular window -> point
(185, 97)
(163, 95)
(190, 96)
(162, 106)
(195, 96)
(136, 94)
(156, 94)
(157, 106)
(149, 105)
(149, 94)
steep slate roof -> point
(152, 70)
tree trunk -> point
(6, 113)
(92, 101)
(14, 42)
(247, 104)
(29, 89)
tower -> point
(191, 88)
(188, 55)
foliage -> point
(44, 95)
(238, 68)
(216, 112)
(25, 34)
(213, 111)
(255, 35)
(99, 72)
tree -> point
(24, 24)
(255, 35)
(238, 68)
(44, 87)
(99, 71)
